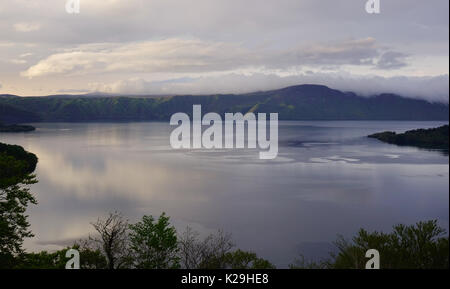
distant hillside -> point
(303, 102)
(13, 113)
(433, 138)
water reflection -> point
(333, 180)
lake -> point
(328, 179)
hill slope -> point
(303, 102)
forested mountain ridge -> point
(302, 102)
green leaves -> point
(245, 260)
(304, 102)
(16, 166)
(420, 246)
(89, 259)
(154, 243)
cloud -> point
(191, 56)
(23, 55)
(18, 61)
(73, 90)
(114, 40)
(353, 52)
(434, 89)
(27, 27)
(391, 60)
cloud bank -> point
(434, 89)
(208, 46)
(192, 56)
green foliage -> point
(214, 252)
(154, 243)
(434, 138)
(89, 259)
(420, 246)
(245, 260)
(16, 166)
(303, 102)
(13, 222)
(237, 259)
(42, 260)
(15, 114)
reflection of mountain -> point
(90, 176)
(303, 102)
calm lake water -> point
(328, 179)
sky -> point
(169, 47)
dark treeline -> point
(302, 102)
(433, 138)
(16, 128)
(153, 243)
(148, 244)
(16, 168)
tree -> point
(40, 260)
(112, 240)
(214, 249)
(89, 259)
(207, 253)
(214, 252)
(420, 246)
(190, 249)
(16, 166)
(245, 260)
(154, 244)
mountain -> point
(15, 114)
(302, 102)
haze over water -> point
(328, 179)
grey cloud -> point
(248, 21)
(392, 60)
(182, 55)
(60, 242)
(234, 34)
(434, 89)
(72, 90)
(351, 52)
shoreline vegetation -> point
(433, 138)
(154, 243)
(300, 102)
(16, 128)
